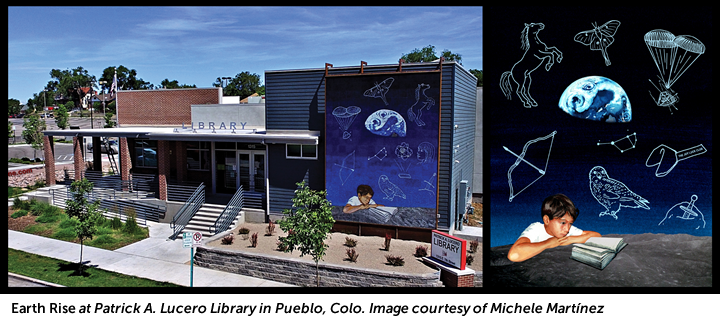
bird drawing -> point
(390, 189)
(613, 194)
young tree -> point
(33, 133)
(62, 117)
(86, 213)
(307, 224)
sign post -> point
(190, 240)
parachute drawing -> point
(673, 55)
(345, 117)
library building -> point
(401, 136)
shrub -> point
(395, 260)
(68, 223)
(350, 242)
(281, 246)
(243, 230)
(37, 208)
(130, 226)
(254, 240)
(22, 204)
(116, 223)
(228, 239)
(67, 234)
(469, 259)
(19, 213)
(46, 218)
(388, 237)
(104, 239)
(421, 251)
(473, 246)
(104, 230)
(352, 255)
(270, 230)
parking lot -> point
(63, 151)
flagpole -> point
(114, 89)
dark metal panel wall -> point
(295, 100)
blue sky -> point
(195, 45)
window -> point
(300, 151)
(146, 153)
(198, 155)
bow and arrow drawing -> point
(521, 159)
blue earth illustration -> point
(596, 98)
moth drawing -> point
(379, 90)
(599, 38)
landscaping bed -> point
(371, 268)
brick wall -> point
(302, 273)
(162, 107)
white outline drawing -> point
(380, 155)
(631, 138)
(403, 152)
(599, 38)
(613, 194)
(379, 90)
(521, 159)
(535, 54)
(390, 189)
(429, 184)
(347, 166)
(657, 156)
(673, 55)
(689, 212)
(426, 104)
(345, 117)
(429, 150)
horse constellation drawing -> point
(536, 52)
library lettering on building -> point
(405, 133)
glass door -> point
(225, 171)
(251, 165)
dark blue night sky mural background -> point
(663, 154)
(382, 131)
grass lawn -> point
(66, 273)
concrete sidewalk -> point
(155, 258)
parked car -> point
(112, 145)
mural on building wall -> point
(645, 168)
(381, 155)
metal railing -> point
(230, 213)
(113, 203)
(188, 210)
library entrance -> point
(240, 166)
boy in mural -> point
(363, 200)
(558, 214)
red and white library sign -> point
(448, 249)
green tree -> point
(13, 106)
(308, 224)
(174, 84)
(127, 79)
(479, 75)
(86, 213)
(428, 54)
(69, 84)
(33, 133)
(243, 85)
(61, 116)
(109, 121)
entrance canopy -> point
(185, 134)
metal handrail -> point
(230, 213)
(188, 210)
